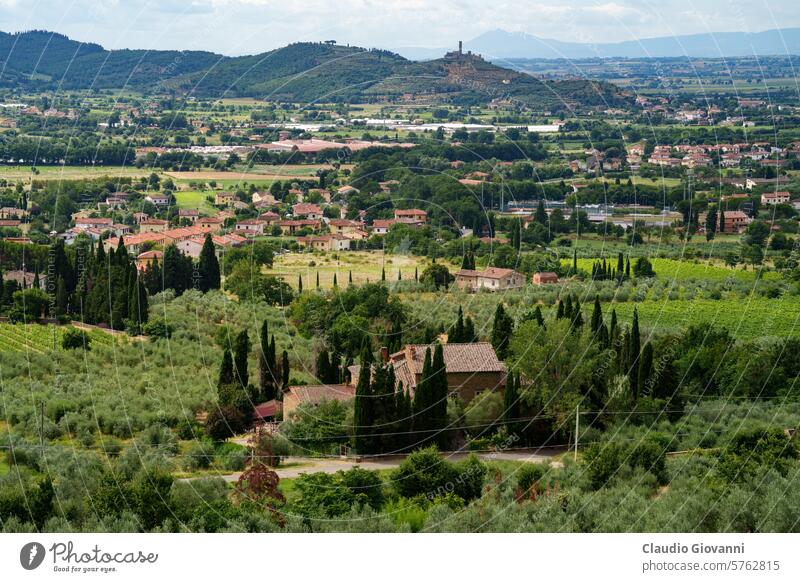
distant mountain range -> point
(301, 72)
(499, 44)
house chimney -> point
(384, 354)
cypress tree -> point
(350, 278)
(335, 282)
(620, 263)
(241, 349)
(646, 369)
(323, 367)
(422, 400)
(299, 284)
(574, 261)
(383, 274)
(502, 328)
(628, 268)
(61, 295)
(541, 214)
(597, 316)
(317, 279)
(511, 402)
(225, 369)
(439, 393)
(362, 404)
(416, 274)
(266, 364)
(208, 267)
(138, 302)
(613, 328)
(457, 334)
(560, 310)
(469, 331)
(285, 370)
(399, 275)
(633, 354)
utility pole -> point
(577, 427)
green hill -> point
(302, 72)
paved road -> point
(295, 466)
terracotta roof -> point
(488, 273)
(474, 357)
(266, 409)
(316, 393)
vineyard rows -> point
(20, 337)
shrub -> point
(528, 475)
(75, 338)
(157, 329)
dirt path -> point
(296, 466)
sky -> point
(236, 27)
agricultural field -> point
(676, 270)
(365, 267)
(47, 173)
(746, 319)
(34, 337)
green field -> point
(364, 266)
(681, 270)
(195, 200)
(744, 318)
(34, 337)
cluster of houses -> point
(694, 156)
(496, 279)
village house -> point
(492, 278)
(138, 217)
(340, 226)
(250, 227)
(544, 277)
(10, 223)
(153, 225)
(269, 218)
(157, 199)
(414, 214)
(775, 198)
(290, 227)
(10, 212)
(307, 211)
(382, 226)
(210, 223)
(86, 223)
(733, 221)
(263, 198)
(190, 214)
(224, 198)
(330, 242)
(193, 246)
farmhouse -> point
(544, 277)
(294, 396)
(224, 198)
(210, 223)
(472, 368)
(775, 198)
(344, 226)
(492, 278)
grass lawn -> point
(193, 199)
(364, 265)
